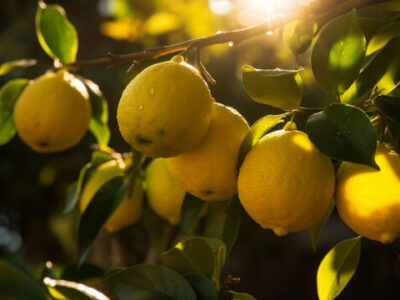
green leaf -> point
(191, 256)
(11, 66)
(383, 36)
(256, 132)
(98, 121)
(150, 282)
(75, 290)
(191, 208)
(343, 132)
(241, 296)
(9, 94)
(156, 229)
(55, 33)
(338, 54)
(315, 229)
(223, 221)
(298, 35)
(383, 69)
(389, 106)
(337, 268)
(100, 208)
(204, 288)
(279, 88)
(73, 196)
(17, 284)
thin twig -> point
(327, 11)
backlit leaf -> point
(11, 66)
(298, 35)
(338, 53)
(9, 94)
(383, 36)
(55, 33)
(279, 88)
(337, 268)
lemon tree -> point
(156, 211)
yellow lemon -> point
(368, 201)
(285, 183)
(165, 110)
(53, 112)
(208, 171)
(164, 194)
(129, 210)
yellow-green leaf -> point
(55, 33)
(11, 66)
(337, 268)
(279, 88)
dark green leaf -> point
(9, 94)
(343, 132)
(17, 284)
(156, 229)
(191, 256)
(315, 229)
(98, 121)
(383, 36)
(75, 290)
(337, 268)
(338, 54)
(389, 106)
(100, 208)
(150, 282)
(11, 66)
(204, 288)
(256, 132)
(383, 69)
(279, 88)
(191, 208)
(298, 35)
(83, 272)
(241, 296)
(223, 221)
(55, 33)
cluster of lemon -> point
(167, 112)
(285, 183)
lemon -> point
(208, 171)
(368, 201)
(165, 110)
(129, 210)
(285, 183)
(164, 194)
(52, 114)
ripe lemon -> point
(164, 194)
(368, 201)
(165, 110)
(129, 210)
(53, 112)
(208, 171)
(285, 183)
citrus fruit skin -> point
(285, 183)
(163, 192)
(165, 110)
(131, 207)
(208, 171)
(367, 200)
(53, 112)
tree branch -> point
(320, 9)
